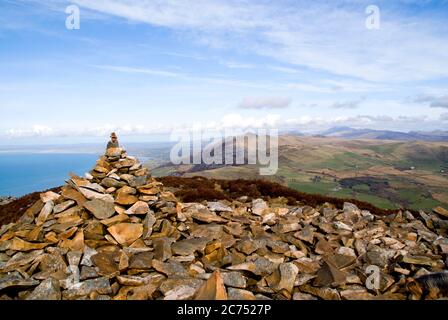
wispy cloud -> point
(237, 65)
(309, 87)
(264, 103)
(405, 48)
(353, 104)
(181, 76)
(148, 71)
(285, 69)
(200, 14)
(34, 131)
(235, 121)
(184, 55)
(317, 86)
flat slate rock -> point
(100, 209)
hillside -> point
(389, 174)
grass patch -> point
(384, 149)
(327, 189)
(313, 187)
(377, 201)
(418, 199)
(361, 187)
(363, 196)
(425, 204)
(348, 161)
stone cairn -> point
(117, 234)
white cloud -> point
(316, 35)
(307, 87)
(303, 123)
(355, 86)
(181, 76)
(316, 86)
(237, 65)
(336, 86)
(264, 103)
(148, 71)
(353, 104)
(434, 101)
(34, 131)
(183, 55)
(285, 69)
(200, 14)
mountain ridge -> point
(351, 133)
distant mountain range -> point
(351, 133)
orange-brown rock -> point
(18, 244)
(126, 233)
(213, 288)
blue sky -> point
(144, 68)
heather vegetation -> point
(197, 189)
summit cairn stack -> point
(69, 245)
(118, 234)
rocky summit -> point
(118, 234)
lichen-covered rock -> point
(47, 290)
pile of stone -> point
(118, 234)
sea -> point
(23, 173)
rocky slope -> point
(119, 234)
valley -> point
(388, 174)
